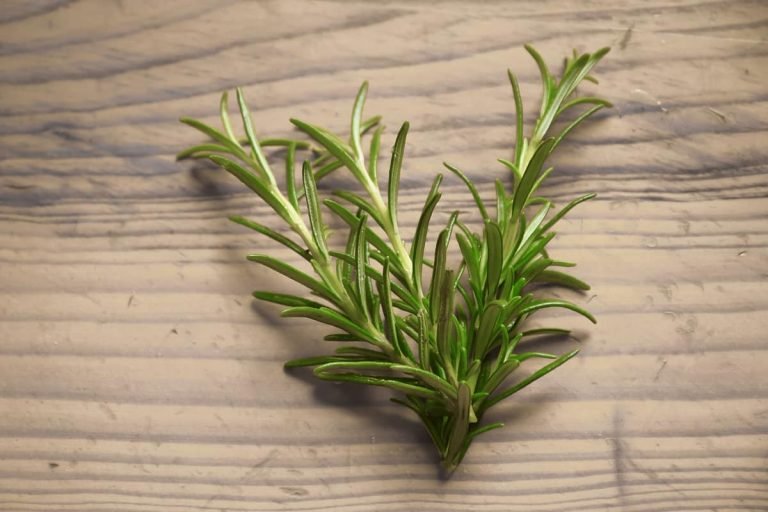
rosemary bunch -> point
(446, 340)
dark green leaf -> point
(360, 203)
(279, 142)
(395, 167)
(385, 292)
(502, 200)
(290, 180)
(362, 352)
(438, 269)
(542, 304)
(487, 328)
(216, 135)
(369, 123)
(530, 176)
(420, 238)
(555, 277)
(294, 274)
(424, 343)
(444, 323)
(202, 151)
(285, 300)
(328, 169)
(429, 379)
(460, 425)
(314, 361)
(507, 351)
(528, 380)
(313, 210)
(559, 215)
(396, 385)
(584, 100)
(277, 237)
(486, 428)
(258, 154)
(332, 144)
(500, 375)
(573, 124)
(224, 115)
(525, 254)
(254, 183)
(374, 239)
(494, 258)
(373, 155)
(542, 176)
(546, 77)
(532, 230)
(471, 187)
(533, 355)
(376, 276)
(517, 175)
(580, 69)
(333, 318)
(361, 264)
(357, 117)
(546, 331)
(519, 136)
(341, 337)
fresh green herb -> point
(443, 333)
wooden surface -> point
(135, 375)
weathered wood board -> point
(136, 375)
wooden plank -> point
(136, 375)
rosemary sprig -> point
(446, 340)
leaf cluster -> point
(444, 335)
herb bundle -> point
(445, 338)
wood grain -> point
(136, 376)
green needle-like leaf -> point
(231, 145)
(565, 210)
(361, 203)
(555, 277)
(543, 304)
(494, 258)
(361, 264)
(332, 144)
(394, 172)
(294, 274)
(334, 318)
(224, 115)
(328, 372)
(264, 190)
(202, 151)
(285, 300)
(252, 140)
(519, 137)
(290, 180)
(385, 291)
(420, 237)
(472, 189)
(460, 428)
(274, 235)
(313, 209)
(357, 119)
(528, 380)
(373, 158)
